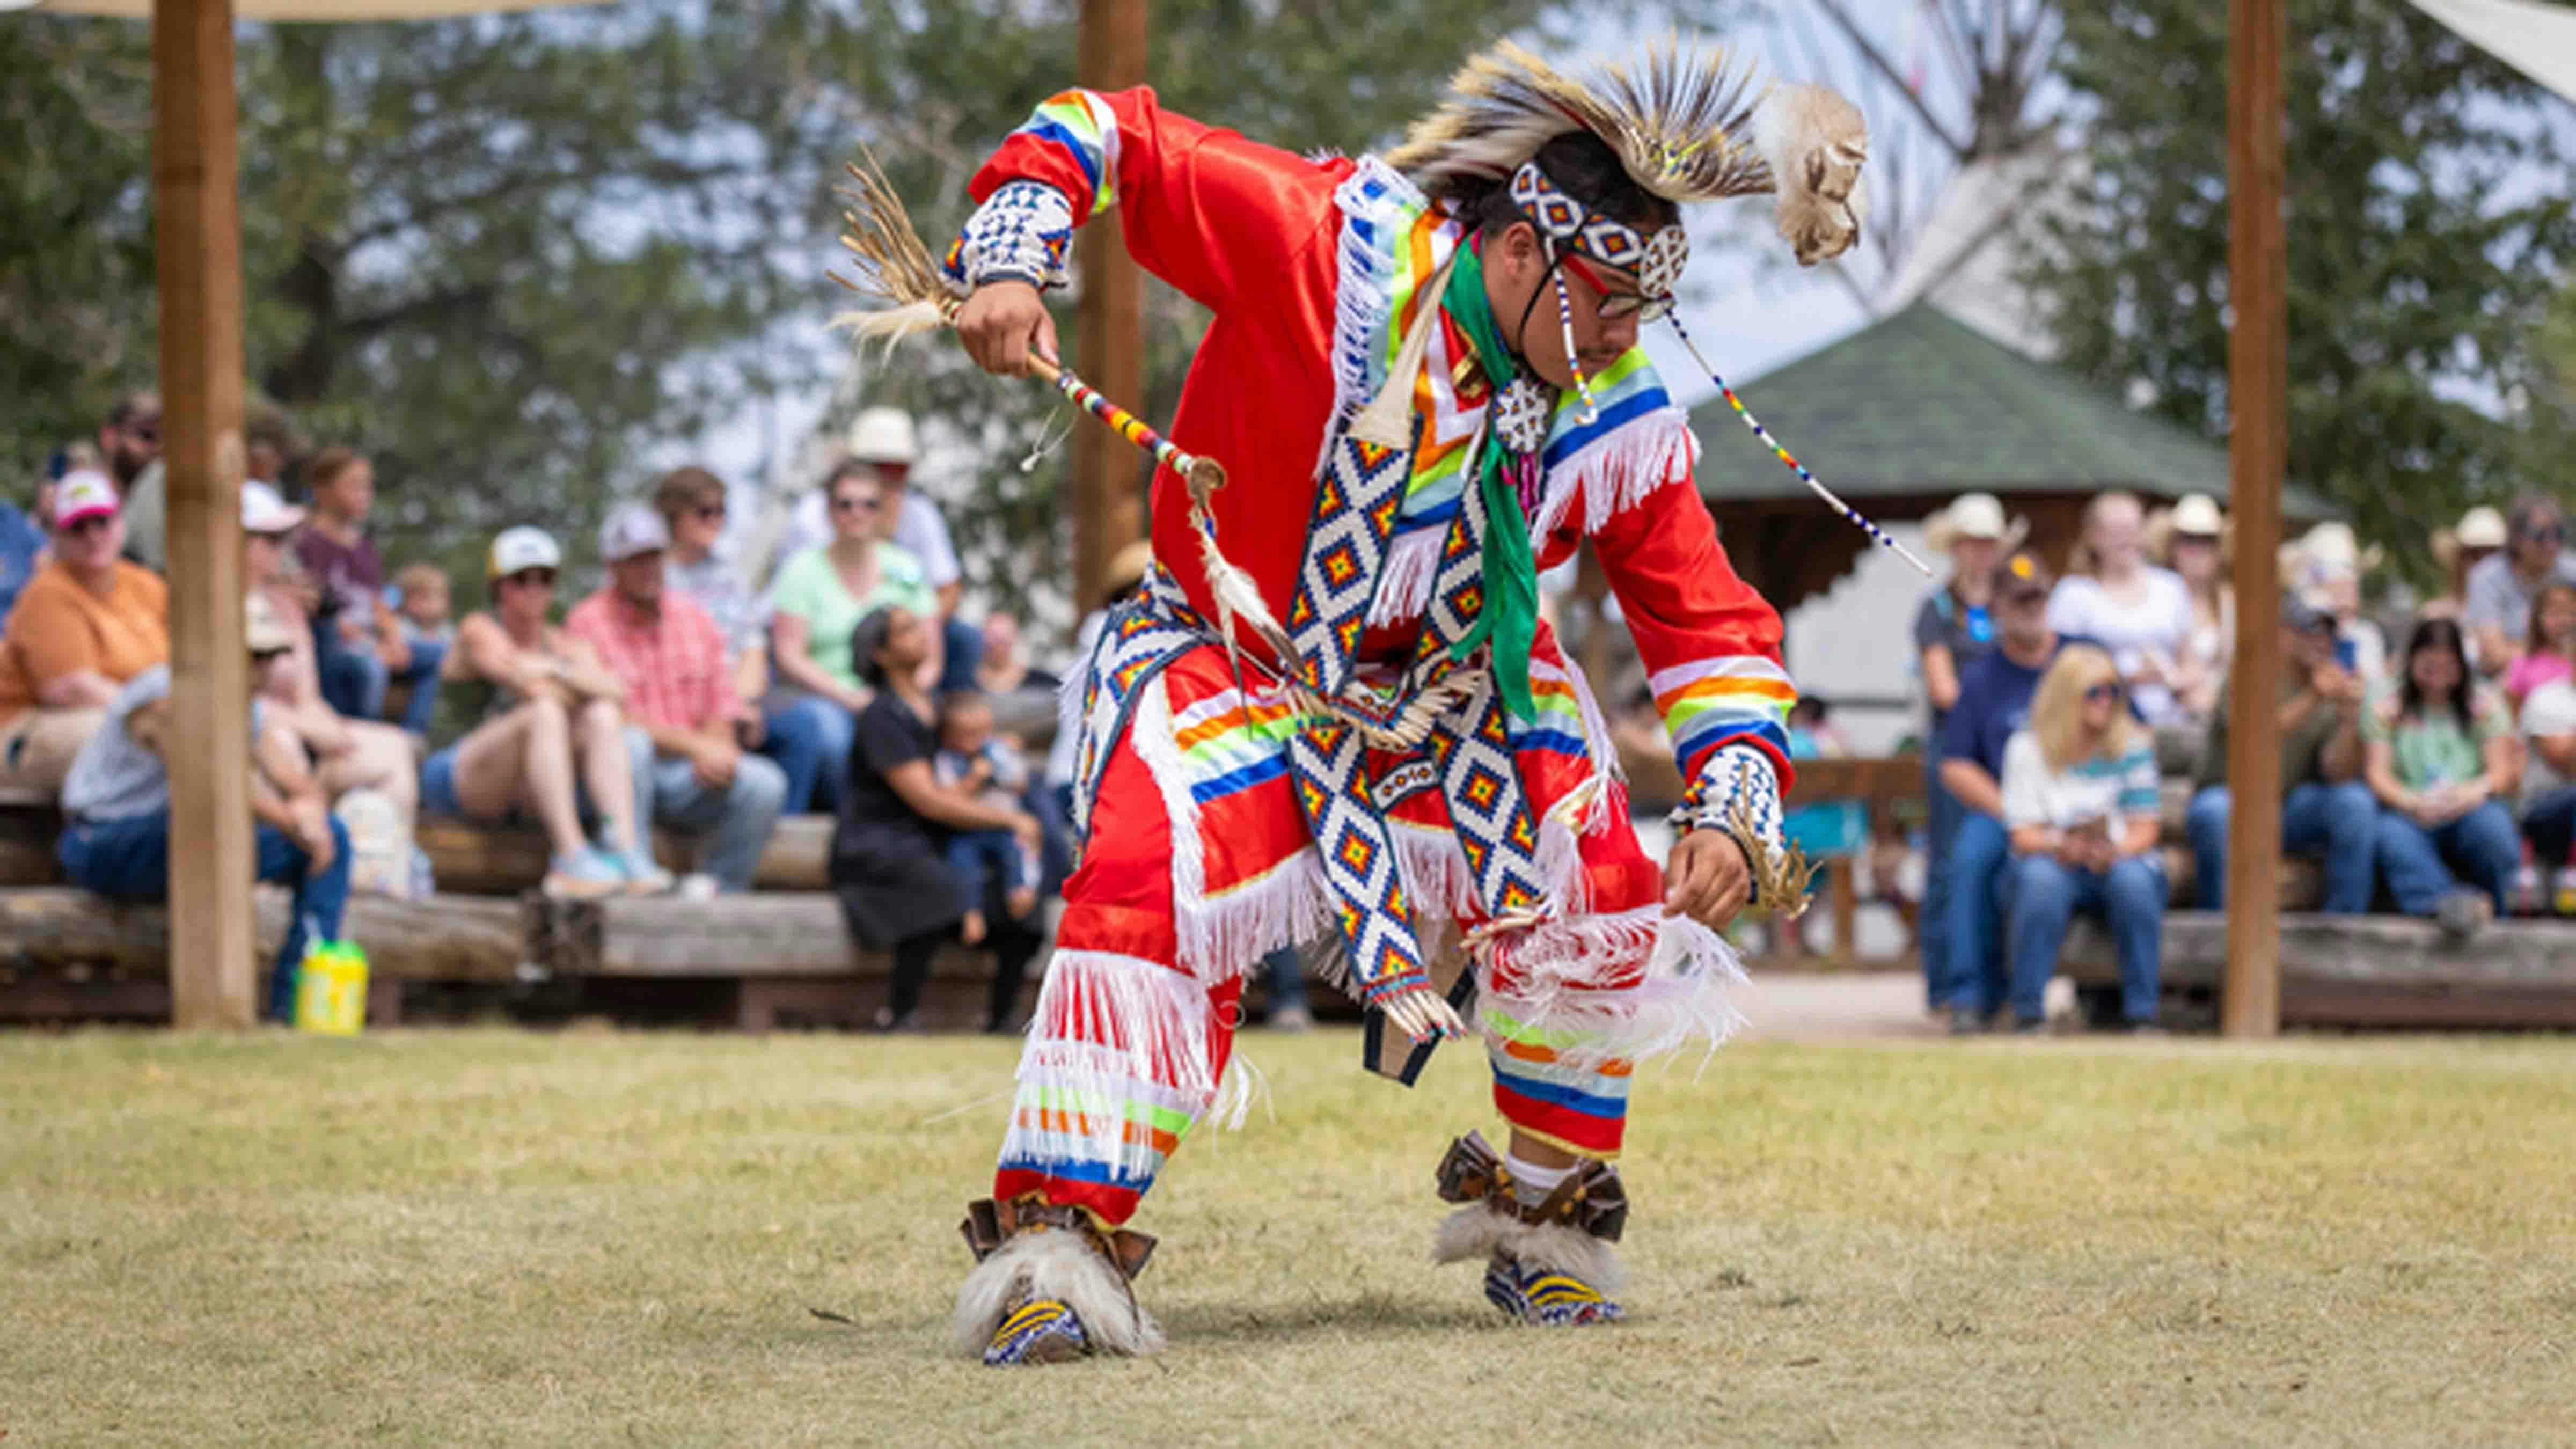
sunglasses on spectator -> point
(144, 432)
(850, 504)
(2104, 694)
(532, 576)
(2552, 533)
(2024, 597)
(263, 656)
(708, 512)
(95, 523)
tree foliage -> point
(2428, 223)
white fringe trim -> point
(1404, 583)
(1051, 1264)
(1223, 939)
(1362, 310)
(1475, 1233)
(1158, 1019)
(1557, 965)
(1616, 473)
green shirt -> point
(811, 589)
(2435, 746)
(2303, 749)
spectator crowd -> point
(685, 696)
(2436, 780)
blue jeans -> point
(985, 858)
(2337, 822)
(2045, 895)
(353, 678)
(422, 675)
(737, 819)
(2550, 825)
(1287, 977)
(963, 646)
(2418, 862)
(1978, 855)
(1932, 929)
(129, 860)
(810, 740)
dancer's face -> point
(1517, 275)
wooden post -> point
(2258, 455)
(1108, 506)
(196, 211)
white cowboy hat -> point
(2481, 527)
(1972, 515)
(883, 435)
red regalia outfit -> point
(1318, 724)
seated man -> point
(690, 768)
(2326, 808)
(117, 802)
(1994, 703)
(87, 622)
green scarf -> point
(1510, 615)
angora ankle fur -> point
(1475, 1232)
(1058, 1265)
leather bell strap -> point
(989, 1224)
(1591, 1199)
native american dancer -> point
(1334, 715)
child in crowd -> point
(973, 762)
(420, 605)
(2550, 651)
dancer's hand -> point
(1002, 324)
(1707, 878)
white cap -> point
(2481, 527)
(264, 512)
(631, 530)
(519, 549)
(882, 435)
(84, 493)
(2197, 516)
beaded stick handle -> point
(1846, 510)
(1205, 475)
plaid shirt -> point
(673, 664)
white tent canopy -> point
(2538, 40)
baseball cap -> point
(519, 549)
(631, 530)
(262, 630)
(84, 493)
(2020, 573)
(264, 512)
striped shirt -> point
(672, 662)
(2111, 789)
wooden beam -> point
(2258, 454)
(1108, 506)
(445, 938)
(196, 215)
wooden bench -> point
(470, 859)
(2385, 971)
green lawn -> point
(495, 1237)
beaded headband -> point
(1658, 261)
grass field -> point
(489, 1237)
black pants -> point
(1013, 944)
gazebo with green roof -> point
(1910, 412)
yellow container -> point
(331, 989)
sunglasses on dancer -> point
(1616, 301)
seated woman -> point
(2439, 752)
(349, 756)
(889, 864)
(2079, 788)
(527, 718)
(820, 596)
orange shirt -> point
(60, 628)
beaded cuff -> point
(1738, 792)
(1019, 234)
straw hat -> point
(1973, 515)
(2194, 515)
(2333, 546)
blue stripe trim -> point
(1590, 1105)
(1258, 772)
(1055, 131)
(1557, 740)
(1612, 418)
(1716, 729)
(1092, 1172)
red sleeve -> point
(1204, 209)
(1711, 645)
